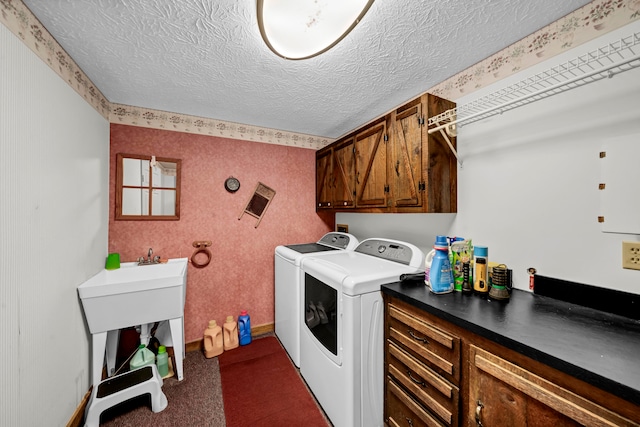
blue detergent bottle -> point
(244, 328)
(440, 274)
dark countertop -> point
(599, 348)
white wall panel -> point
(528, 187)
(54, 164)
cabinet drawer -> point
(402, 410)
(433, 346)
(438, 395)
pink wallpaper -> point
(240, 275)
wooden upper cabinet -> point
(441, 167)
(407, 183)
(392, 164)
(371, 165)
(344, 177)
(324, 179)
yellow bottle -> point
(480, 270)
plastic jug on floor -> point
(213, 340)
(230, 333)
(162, 360)
(143, 357)
(244, 328)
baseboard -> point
(78, 415)
(263, 329)
(197, 345)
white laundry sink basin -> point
(134, 295)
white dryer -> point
(342, 357)
(288, 283)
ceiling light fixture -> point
(302, 29)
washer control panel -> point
(336, 240)
(387, 249)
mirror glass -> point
(147, 188)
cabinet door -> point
(323, 180)
(503, 394)
(344, 174)
(440, 164)
(371, 166)
(406, 172)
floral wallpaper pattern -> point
(20, 21)
(582, 25)
(241, 273)
(144, 117)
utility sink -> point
(134, 295)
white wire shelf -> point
(605, 62)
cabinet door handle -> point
(417, 338)
(398, 168)
(409, 421)
(421, 383)
(479, 413)
(358, 178)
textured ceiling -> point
(206, 57)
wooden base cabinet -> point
(504, 394)
(422, 368)
(390, 165)
(439, 374)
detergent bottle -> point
(213, 345)
(162, 361)
(143, 357)
(440, 273)
(244, 328)
(230, 333)
(427, 266)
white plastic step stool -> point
(123, 387)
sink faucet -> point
(149, 260)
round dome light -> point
(301, 29)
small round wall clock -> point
(232, 184)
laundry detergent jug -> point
(244, 328)
(440, 273)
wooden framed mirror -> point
(147, 188)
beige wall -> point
(54, 159)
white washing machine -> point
(288, 283)
(342, 356)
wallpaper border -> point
(580, 26)
(156, 119)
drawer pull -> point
(409, 421)
(479, 414)
(422, 383)
(417, 338)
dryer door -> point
(322, 315)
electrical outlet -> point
(343, 228)
(631, 255)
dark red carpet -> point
(261, 387)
